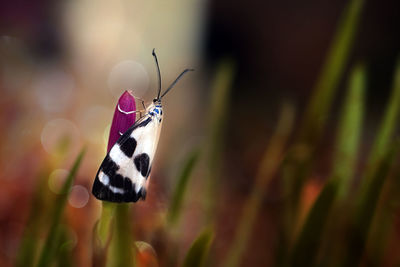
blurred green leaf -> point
(300, 159)
(348, 136)
(306, 247)
(180, 188)
(64, 252)
(268, 167)
(30, 238)
(198, 252)
(217, 124)
(384, 220)
(53, 236)
(318, 109)
(365, 209)
(387, 127)
(383, 228)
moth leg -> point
(142, 101)
(144, 108)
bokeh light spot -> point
(79, 196)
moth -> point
(123, 175)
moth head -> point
(157, 101)
(155, 110)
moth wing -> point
(123, 174)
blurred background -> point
(64, 64)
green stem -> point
(104, 229)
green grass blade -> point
(29, 241)
(29, 245)
(365, 210)
(269, 165)
(64, 252)
(332, 71)
(300, 159)
(383, 227)
(47, 254)
(389, 123)
(217, 122)
(383, 222)
(306, 247)
(176, 203)
(348, 135)
(180, 188)
(198, 252)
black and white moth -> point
(124, 173)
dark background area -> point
(279, 48)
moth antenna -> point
(159, 73)
(177, 79)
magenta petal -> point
(124, 117)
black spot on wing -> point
(128, 146)
(139, 123)
(128, 186)
(142, 162)
(98, 189)
(108, 166)
(103, 192)
(131, 196)
(116, 197)
(128, 190)
(117, 181)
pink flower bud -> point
(124, 117)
